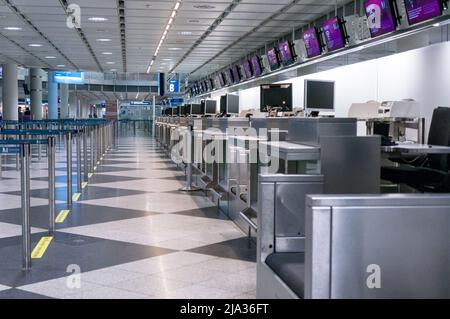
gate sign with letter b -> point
(174, 86)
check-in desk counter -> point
(313, 146)
(216, 172)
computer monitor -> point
(197, 109)
(276, 96)
(319, 96)
(210, 107)
(229, 104)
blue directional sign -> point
(9, 149)
(174, 86)
(69, 77)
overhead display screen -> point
(381, 17)
(274, 61)
(334, 34)
(286, 52)
(247, 68)
(312, 41)
(69, 77)
(256, 65)
(422, 10)
(237, 76)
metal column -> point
(25, 151)
(51, 182)
(69, 168)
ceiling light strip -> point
(123, 42)
(24, 49)
(80, 32)
(164, 35)
(213, 26)
(13, 8)
(273, 16)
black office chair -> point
(427, 173)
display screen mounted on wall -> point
(422, 10)
(381, 15)
(222, 79)
(69, 77)
(287, 53)
(237, 76)
(248, 70)
(274, 60)
(333, 30)
(313, 43)
(257, 65)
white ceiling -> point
(145, 21)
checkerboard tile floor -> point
(132, 234)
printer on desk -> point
(397, 121)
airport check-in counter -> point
(353, 246)
(305, 146)
(216, 174)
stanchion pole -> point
(69, 168)
(51, 181)
(92, 154)
(25, 151)
(78, 145)
(85, 155)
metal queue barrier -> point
(15, 140)
(23, 148)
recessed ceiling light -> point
(185, 33)
(50, 57)
(110, 62)
(13, 28)
(104, 40)
(174, 49)
(167, 59)
(204, 6)
(60, 66)
(35, 45)
(97, 19)
(107, 53)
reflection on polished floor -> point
(132, 234)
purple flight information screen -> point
(236, 73)
(421, 10)
(273, 59)
(312, 43)
(256, 65)
(247, 68)
(286, 53)
(380, 17)
(333, 34)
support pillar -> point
(10, 93)
(52, 97)
(36, 93)
(64, 95)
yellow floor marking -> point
(84, 185)
(62, 216)
(76, 197)
(41, 247)
(89, 175)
